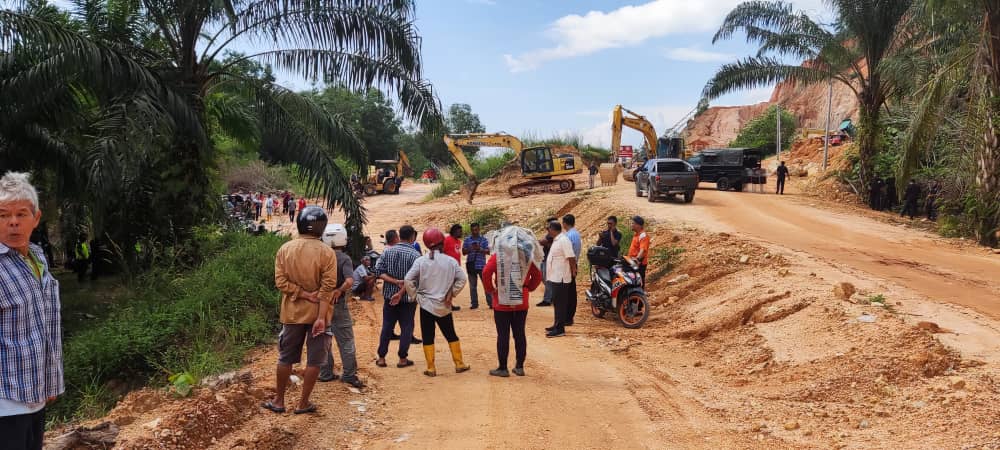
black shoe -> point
(500, 373)
(569, 324)
(456, 308)
(548, 329)
(328, 378)
(474, 307)
(414, 340)
(543, 304)
(394, 337)
(356, 382)
(519, 371)
(555, 333)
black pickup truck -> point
(666, 177)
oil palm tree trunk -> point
(988, 154)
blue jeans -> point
(474, 277)
(403, 314)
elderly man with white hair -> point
(31, 372)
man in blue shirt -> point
(569, 224)
(31, 371)
(477, 249)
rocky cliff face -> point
(719, 125)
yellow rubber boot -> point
(456, 354)
(429, 356)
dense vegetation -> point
(197, 322)
(926, 74)
(761, 131)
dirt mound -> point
(719, 125)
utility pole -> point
(778, 112)
(826, 137)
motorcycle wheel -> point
(597, 311)
(633, 310)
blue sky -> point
(558, 66)
(548, 67)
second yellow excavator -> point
(662, 146)
(537, 164)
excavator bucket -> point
(469, 190)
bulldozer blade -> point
(469, 190)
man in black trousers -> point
(782, 173)
(560, 270)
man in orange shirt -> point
(639, 249)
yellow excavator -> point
(537, 164)
(623, 117)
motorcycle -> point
(615, 285)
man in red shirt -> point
(453, 248)
(302, 204)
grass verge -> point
(199, 322)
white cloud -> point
(697, 55)
(661, 116)
(576, 35)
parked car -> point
(728, 168)
(666, 177)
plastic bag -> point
(516, 250)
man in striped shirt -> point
(391, 268)
(31, 372)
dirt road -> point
(926, 264)
(749, 353)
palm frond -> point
(417, 100)
(750, 73)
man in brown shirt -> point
(305, 271)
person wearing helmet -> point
(342, 327)
(305, 271)
(434, 280)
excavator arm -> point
(622, 117)
(455, 142)
(404, 167)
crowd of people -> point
(883, 197)
(316, 279)
(260, 206)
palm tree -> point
(855, 51)
(963, 82)
(170, 54)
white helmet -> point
(335, 235)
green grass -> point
(489, 167)
(444, 188)
(489, 219)
(199, 321)
(664, 260)
(589, 153)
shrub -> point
(488, 219)
(664, 259)
(257, 176)
(199, 322)
(490, 167)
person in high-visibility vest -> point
(82, 257)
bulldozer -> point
(385, 176)
(538, 164)
(656, 147)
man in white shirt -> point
(560, 269)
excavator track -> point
(541, 187)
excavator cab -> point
(536, 161)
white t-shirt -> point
(430, 280)
(12, 408)
(557, 269)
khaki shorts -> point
(290, 345)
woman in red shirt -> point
(510, 318)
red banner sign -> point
(626, 151)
